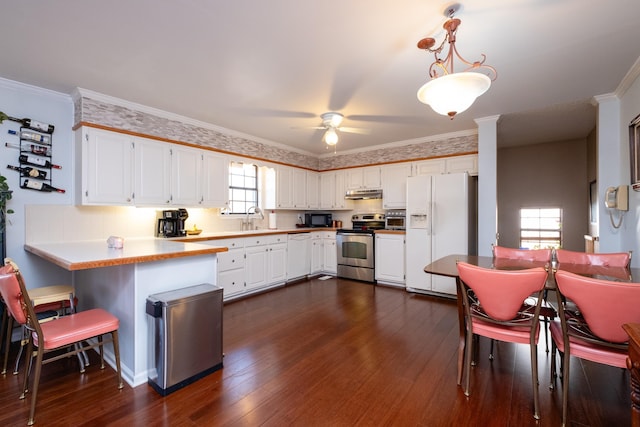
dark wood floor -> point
(333, 353)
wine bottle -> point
(32, 136)
(40, 186)
(35, 149)
(29, 171)
(37, 161)
(33, 124)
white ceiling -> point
(267, 68)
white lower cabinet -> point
(230, 266)
(253, 263)
(277, 260)
(256, 268)
(266, 261)
(317, 253)
(389, 258)
(324, 258)
(231, 272)
(330, 256)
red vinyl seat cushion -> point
(515, 334)
(81, 326)
(588, 351)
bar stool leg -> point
(7, 343)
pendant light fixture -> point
(449, 93)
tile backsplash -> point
(81, 223)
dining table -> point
(447, 266)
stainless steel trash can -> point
(185, 334)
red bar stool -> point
(73, 330)
(49, 302)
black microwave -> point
(317, 219)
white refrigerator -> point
(438, 224)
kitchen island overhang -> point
(120, 280)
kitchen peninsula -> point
(120, 280)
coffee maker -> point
(171, 223)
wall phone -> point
(617, 198)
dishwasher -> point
(298, 255)
(185, 333)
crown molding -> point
(629, 79)
(36, 90)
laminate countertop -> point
(94, 254)
(250, 233)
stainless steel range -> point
(356, 255)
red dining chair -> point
(615, 259)
(71, 331)
(49, 302)
(541, 255)
(595, 331)
(501, 253)
(493, 306)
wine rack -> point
(34, 160)
(36, 151)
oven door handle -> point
(354, 234)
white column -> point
(609, 169)
(487, 183)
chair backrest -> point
(605, 305)
(522, 254)
(502, 292)
(13, 295)
(614, 259)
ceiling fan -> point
(331, 122)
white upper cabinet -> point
(328, 190)
(215, 180)
(118, 169)
(429, 167)
(299, 188)
(467, 163)
(340, 181)
(186, 175)
(152, 173)
(332, 189)
(291, 188)
(313, 190)
(361, 178)
(107, 167)
(284, 187)
(394, 185)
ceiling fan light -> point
(330, 137)
(453, 93)
(332, 119)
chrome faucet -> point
(247, 224)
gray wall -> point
(544, 175)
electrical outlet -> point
(299, 218)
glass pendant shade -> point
(453, 93)
(331, 137)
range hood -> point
(363, 194)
